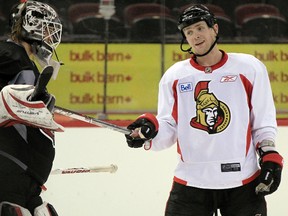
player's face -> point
(200, 37)
(48, 35)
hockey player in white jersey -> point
(218, 109)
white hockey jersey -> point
(216, 115)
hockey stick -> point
(90, 120)
(112, 169)
(42, 82)
(40, 87)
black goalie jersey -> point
(20, 144)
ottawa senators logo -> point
(212, 115)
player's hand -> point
(48, 99)
(143, 129)
(270, 177)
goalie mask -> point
(40, 27)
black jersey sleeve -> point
(13, 60)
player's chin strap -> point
(189, 50)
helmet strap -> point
(189, 50)
(211, 47)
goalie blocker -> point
(16, 108)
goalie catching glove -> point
(271, 163)
(143, 129)
(15, 107)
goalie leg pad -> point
(45, 209)
(11, 209)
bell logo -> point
(185, 87)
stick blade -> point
(114, 168)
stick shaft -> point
(40, 88)
(112, 169)
(90, 120)
(42, 82)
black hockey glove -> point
(48, 99)
(147, 125)
(271, 163)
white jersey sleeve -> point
(263, 112)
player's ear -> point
(216, 28)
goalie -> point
(27, 127)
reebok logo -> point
(228, 78)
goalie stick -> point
(112, 169)
(91, 120)
(40, 87)
(42, 82)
